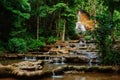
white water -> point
(80, 27)
(56, 76)
(29, 58)
(56, 60)
(62, 60)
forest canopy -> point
(31, 24)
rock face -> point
(76, 50)
(20, 70)
(25, 68)
(29, 65)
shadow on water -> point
(86, 76)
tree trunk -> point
(111, 10)
(57, 32)
(38, 24)
(63, 34)
(58, 24)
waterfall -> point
(25, 58)
(96, 60)
(59, 47)
(45, 58)
(34, 58)
(80, 27)
(50, 60)
(62, 60)
(56, 60)
(90, 56)
(72, 53)
(90, 62)
(29, 58)
(56, 76)
(53, 74)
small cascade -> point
(45, 59)
(81, 50)
(59, 47)
(62, 60)
(49, 59)
(29, 58)
(92, 58)
(73, 53)
(34, 58)
(90, 62)
(97, 61)
(67, 43)
(56, 60)
(25, 58)
(82, 45)
(56, 76)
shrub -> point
(34, 44)
(17, 45)
(112, 58)
(51, 40)
(88, 37)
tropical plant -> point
(36, 45)
(112, 58)
(51, 40)
(17, 45)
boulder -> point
(29, 65)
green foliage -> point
(19, 7)
(51, 40)
(88, 37)
(18, 30)
(34, 44)
(17, 45)
(102, 34)
(43, 11)
(57, 7)
(116, 18)
(112, 58)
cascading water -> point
(34, 58)
(25, 58)
(80, 27)
(56, 60)
(62, 60)
(90, 62)
(56, 76)
(90, 56)
(50, 60)
(59, 47)
(45, 59)
(29, 58)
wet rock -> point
(59, 51)
(29, 65)
(77, 59)
(47, 47)
(27, 68)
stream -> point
(86, 76)
(77, 51)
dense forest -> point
(27, 25)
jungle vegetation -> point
(31, 24)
